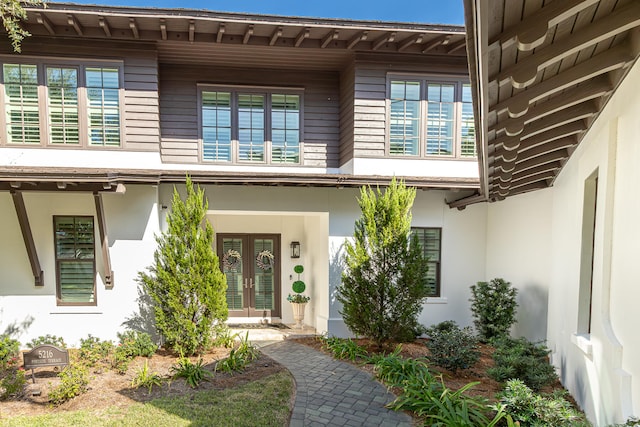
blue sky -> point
(423, 11)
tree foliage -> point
(383, 284)
(13, 13)
(494, 307)
(185, 282)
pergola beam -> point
(44, 21)
(27, 236)
(104, 239)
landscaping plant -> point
(535, 410)
(451, 347)
(524, 360)
(93, 350)
(74, 380)
(493, 305)
(239, 357)
(193, 373)
(47, 339)
(222, 336)
(342, 348)
(185, 282)
(136, 343)
(146, 378)
(12, 378)
(384, 280)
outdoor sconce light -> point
(295, 249)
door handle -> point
(251, 282)
(245, 283)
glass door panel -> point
(252, 266)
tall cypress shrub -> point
(384, 285)
(185, 282)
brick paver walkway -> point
(333, 393)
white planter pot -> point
(298, 313)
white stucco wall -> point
(518, 250)
(535, 240)
(131, 222)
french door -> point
(251, 263)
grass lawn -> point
(265, 402)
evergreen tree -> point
(185, 282)
(384, 285)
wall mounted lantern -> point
(295, 249)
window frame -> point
(42, 64)
(438, 288)
(425, 80)
(58, 261)
(235, 91)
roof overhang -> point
(85, 179)
(198, 26)
(542, 75)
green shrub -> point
(184, 282)
(12, 382)
(344, 348)
(193, 373)
(146, 378)
(493, 305)
(384, 282)
(451, 347)
(74, 380)
(524, 360)
(631, 422)
(239, 357)
(9, 350)
(135, 343)
(531, 409)
(223, 337)
(396, 371)
(93, 350)
(47, 339)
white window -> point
(430, 118)
(250, 126)
(80, 104)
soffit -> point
(546, 70)
(190, 36)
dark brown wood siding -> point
(141, 113)
(347, 83)
(179, 108)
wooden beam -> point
(27, 236)
(360, 37)
(457, 45)
(596, 88)
(562, 117)
(302, 36)
(248, 33)
(441, 40)
(192, 30)
(104, 24)
(524, 73)
(104, 239)
(533, 162)
(609, 60)
(163, 28)
(410, 41)
(44, 21)
(134, 28)
(532, 31)
(384, 39)
(331, 36)
(72, 21)
(541, 138)
(276, 35)
(221, 29)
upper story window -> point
(430, 118)
(251, 126)
(56, 104)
